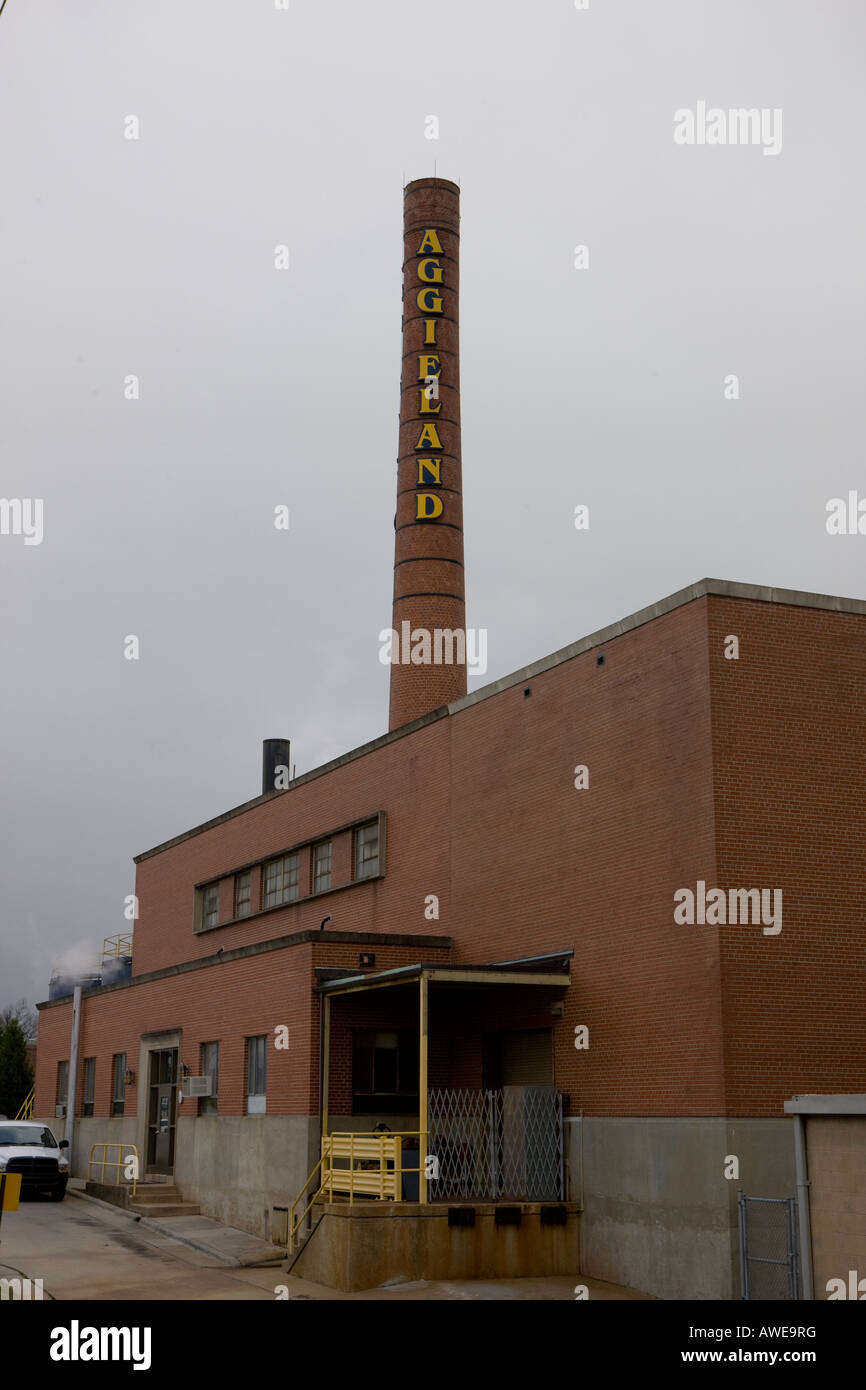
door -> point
(162, 1111)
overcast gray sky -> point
(603, 386)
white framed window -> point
(321, 866)
(281, 880)
(210, 905)
(256, 1053)
(210, 1066)
(243, 891)
(367, 850)
(89, 1085)
(118, 1083)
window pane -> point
(322, 867)
(273, 883)
(210, 906)
(291, 875)
(385, 1070)
(118, 1085)
(256, 1066)
(362, 1069)
(367, 850)
(281, 880)
(210, 1067)
(242, 894)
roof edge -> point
(720, 588)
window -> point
(367, 850)
(62, 1082)
(281, 880)
(210, 1065)
(243, 885)
(322, 866)
(210, 905)
(256, 1075)
(89, 1084)
(118, 1083)
(384, 1072)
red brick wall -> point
(408, 779)
(224, 1003)
(482, 811)
(538, 865)
(790, 789)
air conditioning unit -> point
(60, 1112)
(196, 1087)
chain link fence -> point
(768, 1247)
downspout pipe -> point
(72, 1083)
(804, 1214)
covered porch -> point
(437, 1084)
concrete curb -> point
(153, 1224)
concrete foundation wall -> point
(119, 1129)
(364, 1245)
(836, 1160)
(659, 1214)
(237, 1167)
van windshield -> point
(27, 1134)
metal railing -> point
(130, 1152)
(295, 1223)
(26, 1110)
(356, 1164)
(116, 946)
(379, 1170)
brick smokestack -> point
(429, 591)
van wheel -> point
(58, 1193)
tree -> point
(23, 1014)
(16, 1073)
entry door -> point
(162, 1111)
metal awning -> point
(549, 970)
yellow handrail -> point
(382, 1178)
(295, 1226)
(105, 1162)
(26, 1110)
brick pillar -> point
(429, 592)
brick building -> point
(490, 899)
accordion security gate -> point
(496, 1145)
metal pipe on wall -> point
(72, 1081)
(804, 1214)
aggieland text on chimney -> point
(429, 504)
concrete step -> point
(169, 1208)
(162, 1192)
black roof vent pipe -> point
(275, 764)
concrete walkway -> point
(84, 1248)
(224, 1244)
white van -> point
(29, 1148)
